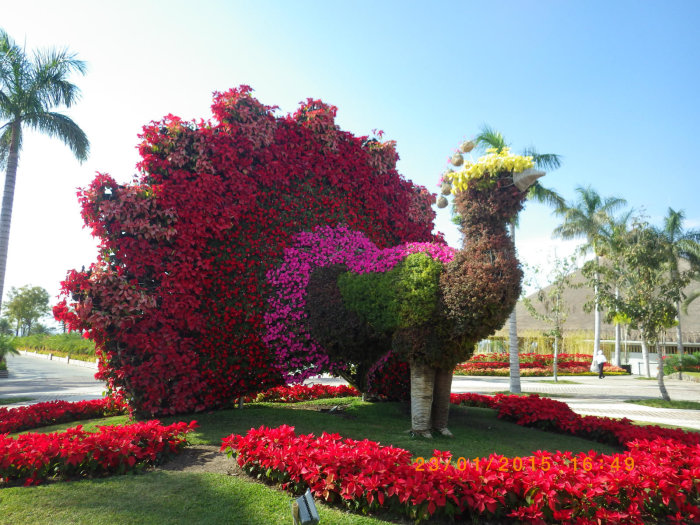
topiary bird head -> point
(494, 187)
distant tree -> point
(6, 326)
(490, 138)
(553, 309)
(6, 348)
(651, 290)
(613, 242)
(681, 244)
(41, 329)
(588, 217)
(25, 306)
(29, 90)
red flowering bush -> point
(497, 364)
(51, 412)
(33, 458)
(390, 379)
(655, 480)
(177, 297)
(549, 414)
(296, 393)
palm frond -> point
(50, 84)
(589, 217)
(673, 223)
(5, 141)
(63, 128)
(490, 138)
(689, 299)
(539, 193)
(545, 161)
(688, 250)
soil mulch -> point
(202, 458)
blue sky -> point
(610, 86)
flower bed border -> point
(33, 458)
(532, 365)
(366, 476)
(18, 419)
(299, 393)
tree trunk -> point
(422, 387)
(556, 356)
(596, 313)
(645, 356)
(662, 386)
(513, 339)
(441, 400)
(679, 333)
(618, 335)
(8, 197)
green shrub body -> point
(404, 305)
(686, 363)
(344, 335)
(405, 296)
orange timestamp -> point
(516, 464)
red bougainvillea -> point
(176, 299)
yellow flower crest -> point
(487, 169)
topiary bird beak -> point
(524, 179)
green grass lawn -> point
(158, 498)
(660, 403)
(10, 400)
(164, 497)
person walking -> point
(600, 360)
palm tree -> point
(588, 218)
(681, 244)
(489, 138)
(29, 89)
(614, 235)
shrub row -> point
(296, 393)
(684, 363)
(551, 415)
(547, 359)
(655, 480)
(497, 364)
(32, 458)
(71, 344)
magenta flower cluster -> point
(287, 333)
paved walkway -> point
(38, 378)
(43, 380)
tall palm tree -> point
(29, 89)
(614, 235)
(681, 244)
(490, 138)
(588, 218)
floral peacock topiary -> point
(426, 303)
